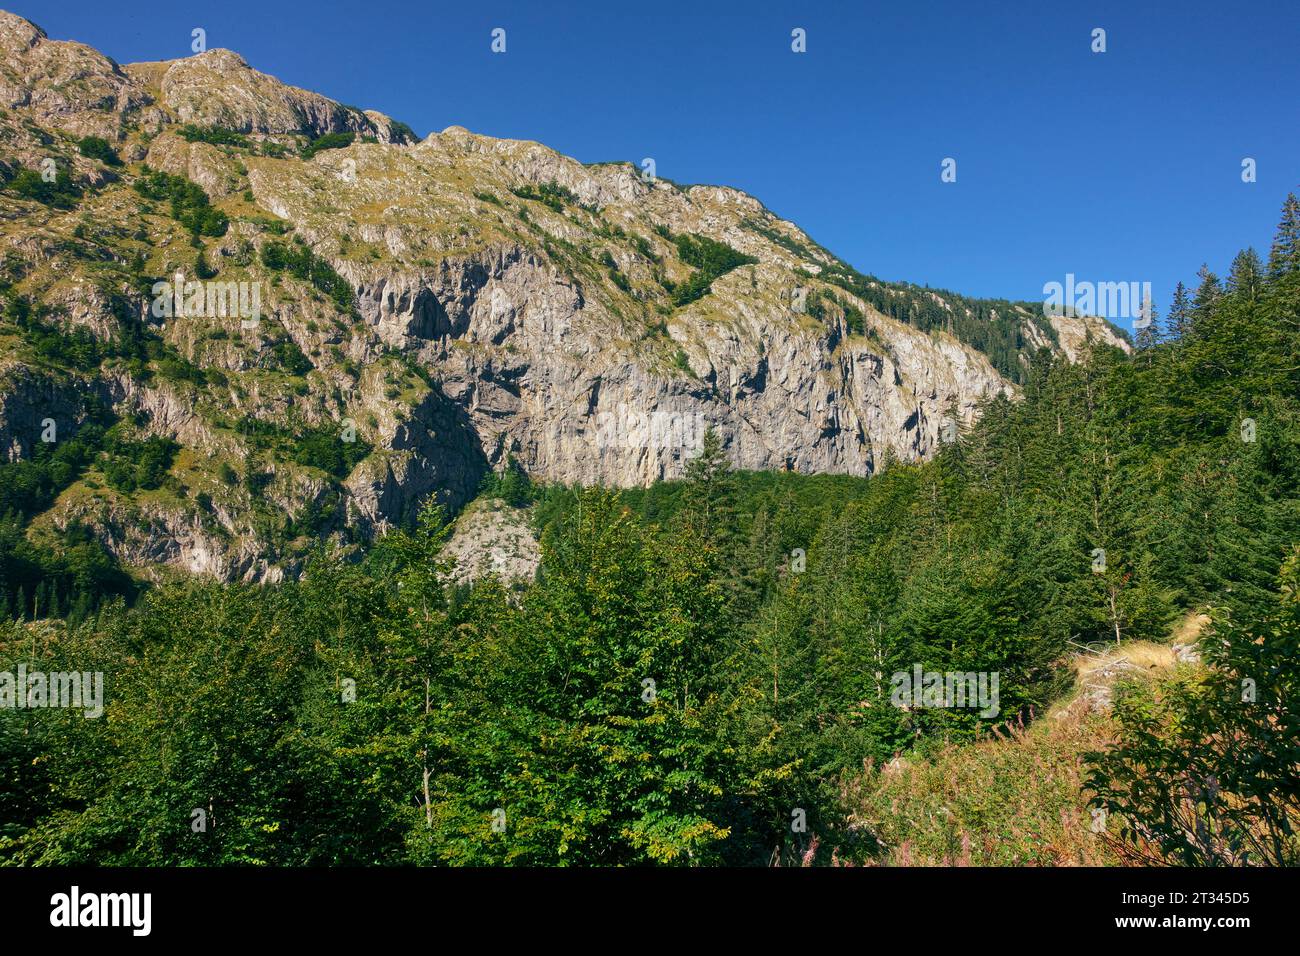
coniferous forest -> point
(701, 672)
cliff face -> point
(426, 309)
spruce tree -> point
(1284, 257)
(1148, 335)
(1180, 313)
(1246, 276)
(710, 495)
(1205, 300)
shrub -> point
(328, 141)
(60, 194)
(216, 135)
(96, 147)
(189, 203)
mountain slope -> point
(425, 310)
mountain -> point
(415, 313)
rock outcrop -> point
(430, 309)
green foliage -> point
(62, 193)
(993, 326)
(710, 258)
(77, 348)
(1205, 771)
(511, 484)
(96, 147)
(302, 263)
(189, 203)
(202, 270)
(215, 135)
(290, 357)
(402, 132)
(129, 464)
(699, 659)
(71, 580)
(854, 321)
(324, 448)
(29, 486)
(327, 141)
(320, 446)
(549, 194)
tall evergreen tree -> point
(1148, 331)
(1284, 257)
(1180, 313)
(1246, 277)
(1206, 299)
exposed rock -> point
(509, 301)
(65, 86)
(218, 88)
(491, 537)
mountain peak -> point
(456, 305)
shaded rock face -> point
(29, 403)
(433, 453)
(505, 300)
(514, 344)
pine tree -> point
(1148, 335)
(1180, 313)
(1246, 276)
(1206, 299)
(1284, 257)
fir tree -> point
(1180, 313)
(1206, 299)
(1284, 257)
(710, 496)
(1246, 277)
(1148, 333)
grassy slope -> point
(1018, 798)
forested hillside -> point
(701, 672)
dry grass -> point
(1143, 655)
(1018, 798)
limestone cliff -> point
(429, 307)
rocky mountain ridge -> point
(425, 311)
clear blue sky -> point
(1119, 166)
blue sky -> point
(1121, 166)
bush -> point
(130, 464)
(304, 264)
(291, 358)
(60, 194)
(324, 448)
(95, 147)
(328, 141)
(550, 194)
(216, 135)
(189, 203)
